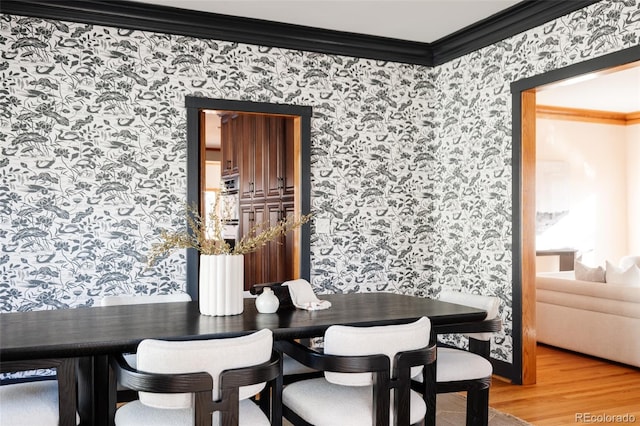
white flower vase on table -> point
(267, 302)
(221, 274)
(221, 284)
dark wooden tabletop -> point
(112, 329)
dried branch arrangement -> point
(206, 236)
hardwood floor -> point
(571, 385)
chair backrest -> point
(212, 356)
(129, 299)
(491, 304)
(39, 402)
(386, 340)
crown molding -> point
(587, 115)
(145, 17)
(521, 17)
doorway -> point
(524, 209)
(301, 117)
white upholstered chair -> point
(292, 369)
(200, 382)
(367, 373)
(470, 370)
(40, 402)
(125, 394)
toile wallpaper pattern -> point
(411, 165)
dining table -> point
(93, 334)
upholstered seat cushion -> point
(457, 364)
(322, 403)
(135, 413)
(34, 403)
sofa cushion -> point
(623, 276)
(611, 299)
(587, 273)
(627, 261)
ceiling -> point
(415, 20)
(423, 21)
(617, 91)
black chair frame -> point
(65, 376)
(379, 366)
(478, 389)
(201, 384)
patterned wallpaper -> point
(411, 165)
(472, 144)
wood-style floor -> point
(570, 385)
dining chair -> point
(470, 371)
(367, 372)
(124, 394)
(201, 382)
(292, 370)
(41, 402)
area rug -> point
(451, 410)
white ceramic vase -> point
(221, 284)
(267, 302)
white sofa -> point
(599, 319)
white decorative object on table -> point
(267, 302)
(303, 297)
(221, 284)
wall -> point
(471, 145)
(94, 157)
(412, 166)
(595, 156)
(633, 187)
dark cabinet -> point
(288, 157)
(271, 262)
(254, 263)
(278, 252)
(266, 186)
(280, 146)
(229, 124)
(253, 156)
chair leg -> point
(430, 417)
(478, 407)
(429, 394)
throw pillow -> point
(620, 276)
(586, 273)
(627, 261)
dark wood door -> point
(246, 127)
(275, 164)
(275, 256)
(229, 144)
(260, 155)
(290, 267)
(266, 151)
(254, 130)
(252, 220)
(288, 157)
(280, 158)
